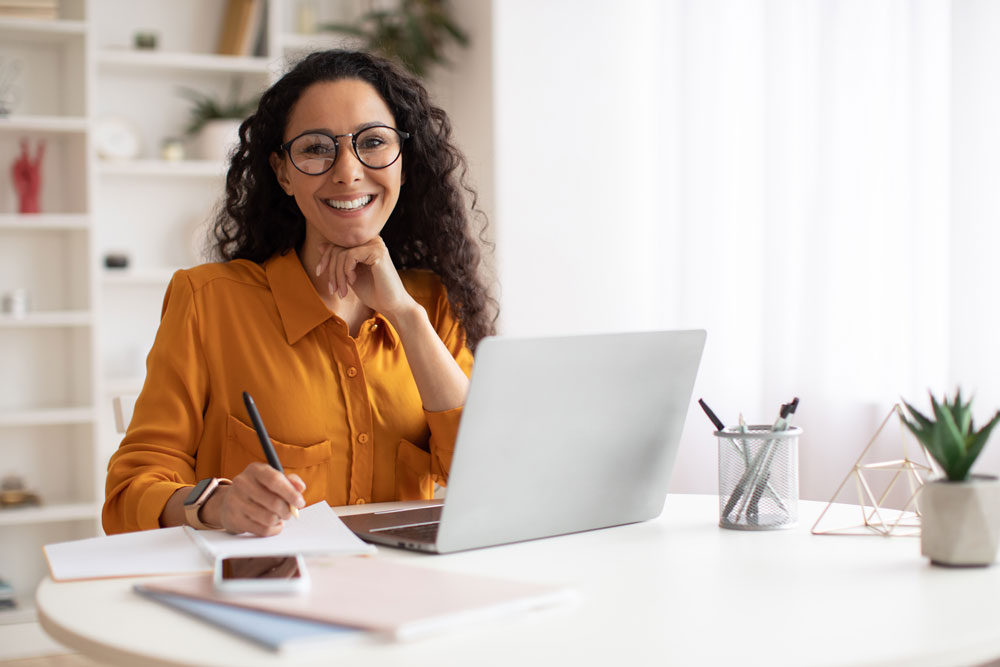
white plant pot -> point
(960, 521)
(217, 139)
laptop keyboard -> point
(425, 532)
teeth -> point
(349, 205)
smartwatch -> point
(199, 495)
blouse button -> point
(374, 326)
(363, 438)
(359, 501)
(352, 372)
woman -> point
(348, 306)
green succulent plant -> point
(206, 107)
(950, 438)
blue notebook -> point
(273, 631)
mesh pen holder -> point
(758, 478)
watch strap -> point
(192, 512)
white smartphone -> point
(261, 574)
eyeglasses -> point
(376, 147)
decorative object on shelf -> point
(214, 124)
(415, 32)
(15, 303)
(243, 27)
(116, 260)
(172, 149)
(305, 18)
(876, 518)
(116, 139)
(10, 93)
(960, 512)
(13, 493)
(27, 175)
(7, 599)
(145, 40)
(37, 10)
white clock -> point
(116, 139)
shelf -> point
(26, 614)
(40, 31)
(47, 318)
(137, 278)
(47, 417)
(296, 41)
(189, 168)
(46, 222)
(51, 124)
(24, 516)
(189, 62)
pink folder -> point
(402, 601)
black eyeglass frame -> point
(403, 136)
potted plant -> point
(414, 32)
(959, 512)
(214, 124)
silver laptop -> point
(558, 435)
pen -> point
(762, 474)
(265, 441)
(719, 426)
(761, 463)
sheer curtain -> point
(812, 155)
(796, 204)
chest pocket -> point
(310, 462)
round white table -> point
(675, 590)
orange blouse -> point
(343, 413)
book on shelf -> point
(29, 9)
(242, 24)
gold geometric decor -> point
(874, 518)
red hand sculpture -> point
(27, 174)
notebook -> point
(392, 599)
(558, 435)
(282, 634)
(181, 550)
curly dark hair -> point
(430, 227)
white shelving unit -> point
(155, 212)
(195, 168)
(48, 429)
(89, 328)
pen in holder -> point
(758, 477)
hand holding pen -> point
(262, 497)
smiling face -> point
(349, 204)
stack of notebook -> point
(350, 597)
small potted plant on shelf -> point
(415, 32)
(959, 512)
(214, 124)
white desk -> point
(676, 590)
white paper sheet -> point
(163, 551)
(317, 531)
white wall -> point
(975, 210)
(576, 153)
